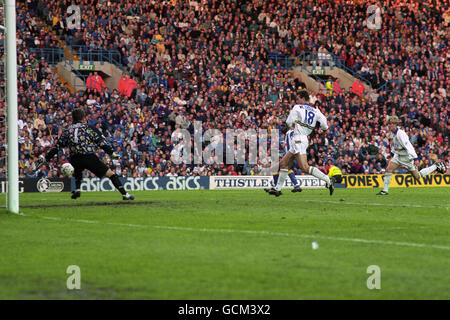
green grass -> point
(229, 245)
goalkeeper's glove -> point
(40, 162)
(115, 156)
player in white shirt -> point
(404, 156)
(288, 140)
(304, 117)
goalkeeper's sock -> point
(282, 179)
(116, 182)
(293, 178)
(428, 170)
(275, 178)
(319, 174)
(78, 182)
(387, 181)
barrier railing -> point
(285, 61)
(52, 55)
(86, 53)
(387, 84)
(78, 53)
(317, 60)
(81, 54)
(325, 59)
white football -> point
(67, 169)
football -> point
(67, 169)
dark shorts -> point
(90, 162)
(338, 178)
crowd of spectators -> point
(213, 61)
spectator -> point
(228, 73)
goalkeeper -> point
(83, 142)
(336, 173)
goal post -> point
(11, 106)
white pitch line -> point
(91, 221)
(383, 229)
(377, 204)
(407, 205)
(369, 204)
(409, 244)
(262, 232)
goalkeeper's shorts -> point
(91, 162)
(338, 178)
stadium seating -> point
(226, 63)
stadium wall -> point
(221, 183)
(255, 182)
(148, 183)
(40, 185)
(398, 181)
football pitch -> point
(240, 244)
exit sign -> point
(86, 67)
(318, 71)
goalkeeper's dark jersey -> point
(81, 139)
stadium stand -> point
(229, 64)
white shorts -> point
(404, 161)
(298, 144)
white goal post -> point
(11, 105)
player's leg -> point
(100, 169)
(292, 177)
(312, 170)
(284, 164)
(439, 167)
(275, 177)
(294, 149)
(116, 182)
(416, 174)
(284, 169)
(78, 175)
(303, 163)
(275, 180)
(301, 143)
(392, 166)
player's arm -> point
(101, 141)
(53, 151)
(292, 116)
(61, 143)
(405, 143)
(284, 128)
(322, 121)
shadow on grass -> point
(91, 204)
